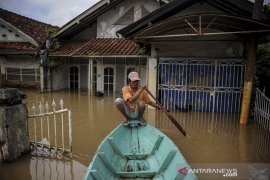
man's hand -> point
(159, 107)
(143, 87)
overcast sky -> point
(55, 12)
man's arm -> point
(136, 95)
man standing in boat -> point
(132, 106)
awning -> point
(198, 25)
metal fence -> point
(201, 85)
(50, 128)
(262, 109)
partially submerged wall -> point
(14, 139)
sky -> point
(54, 12)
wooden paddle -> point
(168, 114)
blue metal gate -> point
(201, 85)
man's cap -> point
(133, 76)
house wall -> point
(9, 33)
(23, 62)
(120, 74)
(87, 34)
(217, 49)
(19, 61)
(60, 79)
(105, 22)
(120, 65)
(106, 27)
(84, 76)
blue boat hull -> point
(138, 152)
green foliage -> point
(266, 9)
(55, 64)
(263, 49)
(54, 44)
(263, 54)
(144, 50)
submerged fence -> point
(262, 109)
(50, 128)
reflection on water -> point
(53, 168)
(211, 137)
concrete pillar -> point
(3, 76)
(14, 138)
(251, 65)
(41, 79)
(152, 74)
(100, 75)
(90, 75)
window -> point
(22, 75)
(94, 78)
(108, 79)
(74, 77)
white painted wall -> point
(100, 75)
(87, 34)
(60, 79)
(9, 33)
(24, 62)
(17, 61)
(152, 73)
(105, 22)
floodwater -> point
(211, 138)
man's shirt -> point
(128, 92)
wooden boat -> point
(138, 152)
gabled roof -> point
(31, 27)
(98, 47)
(85, 19)
(241, 8)
(88, 18)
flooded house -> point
(93, 56)
(20, 40)
(203, 53)
(193, 55)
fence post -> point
(14, 138)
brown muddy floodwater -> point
(211, 138)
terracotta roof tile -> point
(68, 48)
(98, 47)
(31, 27)
(23, 46)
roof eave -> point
(3, 52)
(148, 20)
(77, 19)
